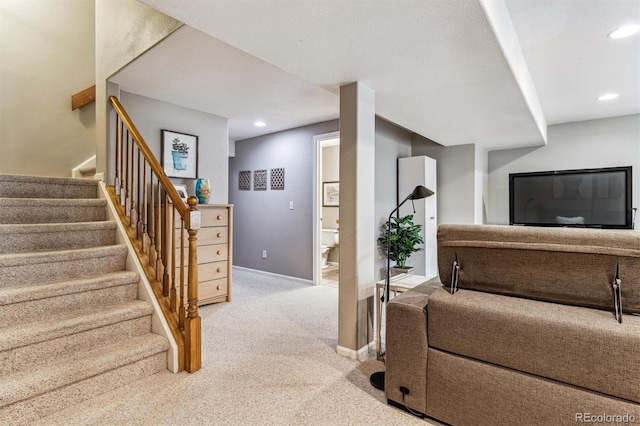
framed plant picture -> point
(179, 154)
(330, 194)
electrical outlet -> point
(264, 254)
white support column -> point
(357, 222)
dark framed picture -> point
(179, 154)
(182, 191)
(330, 194)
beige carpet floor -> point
(269, 358)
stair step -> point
(52, 210)
(27, 395)
(88, 171)
(42, 342)
(23, 269)
(71, 327)
(21, 304)
(20, 186)
(22, 238)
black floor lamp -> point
(377, 378)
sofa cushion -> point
(575, 345)
(461, 391)
(564, 265)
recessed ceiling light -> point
(608, 96)
(626, 31)
(259, 123)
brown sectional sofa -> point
(530, 336)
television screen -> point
(589, 198)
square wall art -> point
(244, 178)
(179, 154)
(260, 180)
(277, 178)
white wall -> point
(607, 142)
(457, 175)
(151, 116)
(124, 29)
(47, 54)
(481, 185)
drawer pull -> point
(218, 252)
(219, 234)
(218, 270)
(218, 288)
(219, 217)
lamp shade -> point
(420, 192)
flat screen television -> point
(598, 198)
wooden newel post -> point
(193, 326)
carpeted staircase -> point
(71, 326)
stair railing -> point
(156, 219)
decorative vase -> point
(203, 190)
(179, 160)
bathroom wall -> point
(262, 219)
(331, 173)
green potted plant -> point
(404, 238)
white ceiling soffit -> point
(194, 70)
(436, 66)
(571, 59)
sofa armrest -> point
(406, 347)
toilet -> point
(330, 239)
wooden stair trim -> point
(83, 97)
(156, 286)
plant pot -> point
(179, 160)
(396, 270)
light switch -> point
(290, 205)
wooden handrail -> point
(149, 205)
(151, 159)
(83, 97)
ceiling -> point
(195, 70)
(491, 72)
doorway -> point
(326, 251)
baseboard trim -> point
(358, 355)
(272, 274)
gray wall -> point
(47, 53)
(392, 143)
(262, 219)
(151, 116)
(457, 172)
(607, 142)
